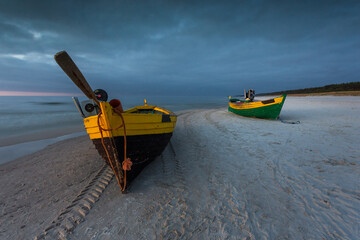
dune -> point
(221, 177)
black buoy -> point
(101, 95)
(89, 107)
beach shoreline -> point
(339, 93)
(224, 176)
(42, 134)
(58, 132)
(15, 151)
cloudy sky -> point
(179, 47)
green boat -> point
(247, 107)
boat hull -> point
(268, 109)
(141, 149)
(148, 131)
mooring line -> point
(75, 213)
(289, 121)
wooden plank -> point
(69, 67)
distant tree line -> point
(352, 86)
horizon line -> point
(35, 94)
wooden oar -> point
(70, 68)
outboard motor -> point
(250, 95)
(89, 108)
(86, 108)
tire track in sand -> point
(176, 204)
(75, 213)
(226, 212)
(238, 215)
(173, 209)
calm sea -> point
(30, 115)
(19, 115)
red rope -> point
(126, 164)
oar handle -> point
(69, 67)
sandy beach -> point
(221, 177)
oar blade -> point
(69, 67)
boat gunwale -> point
(253, 105)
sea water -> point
(30, 115)
(21, 115)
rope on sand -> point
(289, 121)
(75, 213)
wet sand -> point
(222, 177)
(41, 135)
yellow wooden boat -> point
(126, 140)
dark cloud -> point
(178, 47)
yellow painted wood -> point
(257, 104)
(136, 123)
